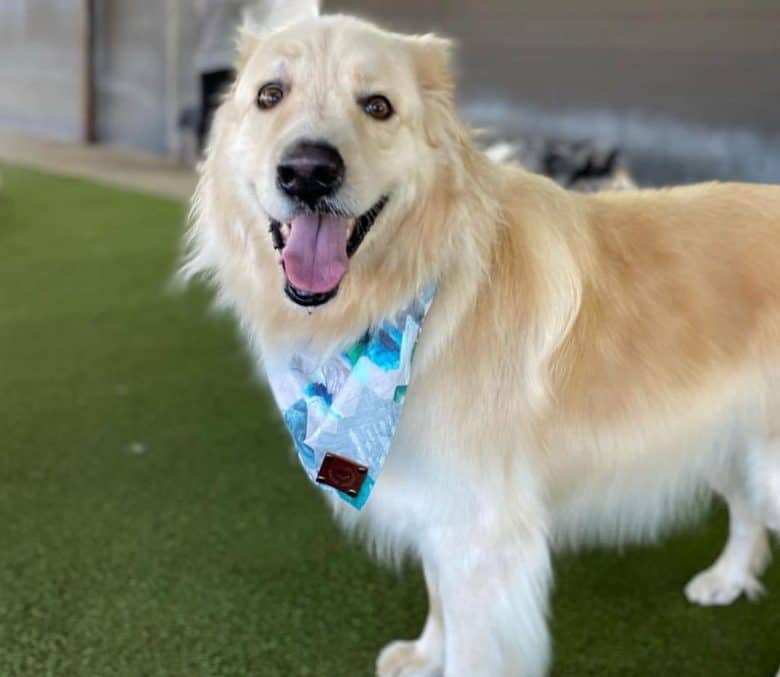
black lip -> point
(363, 225)
(308, 300)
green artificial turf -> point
(152, 521)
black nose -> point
(311, 171)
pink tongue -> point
(315, 258)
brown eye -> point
(269, 96)
(378, 107)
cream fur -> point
(591, 368)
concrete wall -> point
(706, 62)
(130, 73)
(41, 66)
(41, 69)
(715, 62)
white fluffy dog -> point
(589, 366)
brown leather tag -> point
(342, 474)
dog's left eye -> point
(378, 107)
(270, 95)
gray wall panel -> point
(130, 73)
(41, 67)
(709, 62)
(715, 62)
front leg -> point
(494, 595)
(423, 657)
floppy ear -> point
(433, 61)
(434, 67)
(268, 16)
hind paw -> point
(404, 659)
(719, 587)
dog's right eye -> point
(378, 107)
(270, 95)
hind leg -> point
(746, 555)
(765, 483)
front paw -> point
(405, 659)
(719, 587)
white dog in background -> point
(590, 365)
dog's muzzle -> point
(315, 250)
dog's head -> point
(334, 134)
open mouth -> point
(315, 251)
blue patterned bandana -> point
(342, 413)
